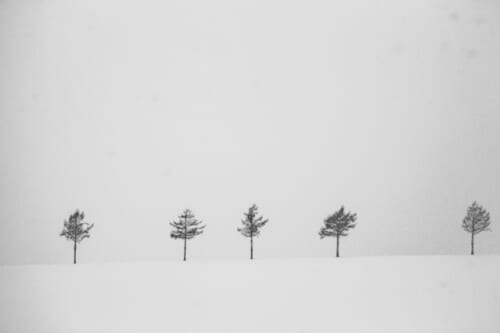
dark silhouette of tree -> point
(337, 225)
(251, 225)
(186, 227)
(476, 221)
(76, 230)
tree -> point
(476, 221)
(251, 225)
(337, 225)
(76, 230)
(186, 227)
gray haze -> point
(133, 111)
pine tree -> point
(186, 227)
(337, 225)
(76, 230)
(251, 225)
(477, 220)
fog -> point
(133, 111)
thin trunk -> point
(251, 247)
(472, 237)
(185, 241)
(185, 237)
(338, 246)
(74, 252)
(472, 244)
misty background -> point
(134, 111)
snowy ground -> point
(392, 294)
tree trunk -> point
(185, 241)
(251, 247)
(338, 246)
(472, 244)
(74, 253)
(185, 236)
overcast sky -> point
(135, 110)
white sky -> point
(133, 111)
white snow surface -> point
(377, 294)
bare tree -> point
(337, 225)
(251, 225)
(475, 221)
(186, 227)
(76, 230)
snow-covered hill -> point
(393, 294)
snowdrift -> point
(392, 294)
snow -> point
(378, 294)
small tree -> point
(186, 227)
(337, 225)
(476, 221)
(251, 225)
(76, 230)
